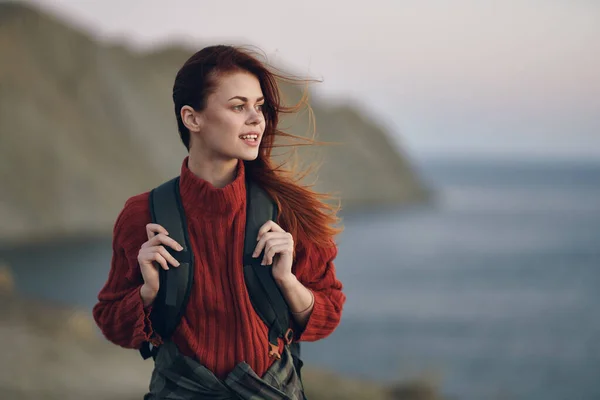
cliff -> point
(84, 125)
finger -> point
(161, 238)
(275, 242)
(268, 226)
(163, 252)
(154, 229)
(260, 246)
(273, 251)
(148, 255)
(156, 257)
(263, 242)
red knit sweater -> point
(220, 327)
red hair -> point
(306, 214)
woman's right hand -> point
(154, 255)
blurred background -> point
(468, 164)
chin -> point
(251, 158)
(248, 155)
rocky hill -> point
(84, 125)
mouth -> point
(250, 137)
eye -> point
(260, 107)
(239, 107)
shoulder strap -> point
(176, 283)
(166, 209)
(264, 293)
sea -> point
(488, 291)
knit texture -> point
(220, 327)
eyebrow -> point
(245, 99)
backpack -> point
(175, 284)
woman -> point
(227, 107)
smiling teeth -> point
(253, 137)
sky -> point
(498, 79)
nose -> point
(255, 117)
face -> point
(232, 124)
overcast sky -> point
(482, 78)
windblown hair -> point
(306, 214)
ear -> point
(191, 119)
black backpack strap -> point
(166, 210)
(175, 284)
(267, 299)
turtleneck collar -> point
(200, 197)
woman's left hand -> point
(279, 250)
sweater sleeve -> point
(315, 269)
(120, 312)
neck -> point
(218, 173)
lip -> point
(252, 144)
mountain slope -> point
(85, 125)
